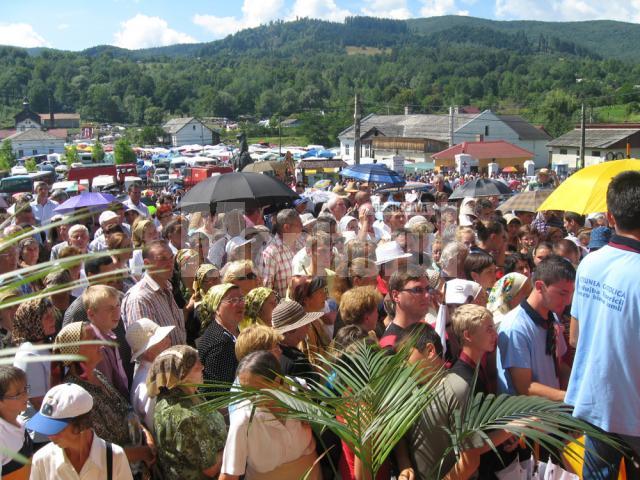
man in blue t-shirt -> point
(528, 346)
(605, 383)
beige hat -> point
(289, 315)
(339, 190)
(351, 188)
(510, 217)
(144, 334)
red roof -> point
(484, 150)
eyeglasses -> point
(248, 276)
(233, 300)
(17, 396)
(418, 290)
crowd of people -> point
(532, 303)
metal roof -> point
(321, 163)
(594, 137)
(523, 128)
(434, 127)
(176, 124)
(484, 150)
(32, 134)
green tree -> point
(31, 165)
(153, 116)
(71, 155)
(97, 152)
(123, 153)
(7, 157)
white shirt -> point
(245, 451)
(43, 213)
(51, 462)
(140, 207)
(382, 231)
(136, 263)
(142, 404)
(38, 373)
(11, 439)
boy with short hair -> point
(102, 304)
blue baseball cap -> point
(600, 237)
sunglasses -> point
(418, 290)
(248, 276)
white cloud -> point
(322, 9)
(63, 26)
(254, 13)
(21, 35)
(569, 10)
(437, 8)
(143, 31)
(396, 9)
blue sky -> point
(75, 25)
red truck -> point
(193, 175)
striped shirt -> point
(277, 266)
(146, 299)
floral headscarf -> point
(169, 369)
(27, 324)
(211, 302)
(198, 281)
(72, 333)
(504, 290)
(184, 255)
(253, 302)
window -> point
(20, 153)
(486, 130)
(50, 150)
(595, 153)
(346, 149)
(194, 127)
(34, 152)
(563, 151)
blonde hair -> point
(96, 294)
(357, 302)
(461, 230)
(468, 317)
(255, 338)
(137, 231)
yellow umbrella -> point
(586, 190)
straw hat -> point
(289, 315)
(339, 190)
(144, 334)
(351, 188)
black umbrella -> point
(233, 188)
(481, 187)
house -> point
(34, 141)
(418, 136)
(602, 142)
(59, 120)
(290, 123)
(27, 119)
(503, 153)
(189, 131)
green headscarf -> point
(211, 302)
(253, 302)
(201, 275)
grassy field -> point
(366, 50)
(614, 114)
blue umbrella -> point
(91, 200)
(373, 172)
(318, 154)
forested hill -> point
(311, 69)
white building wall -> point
(26, 124)
(571, 158)
(492, 128)
(37, 147)
(193, 132)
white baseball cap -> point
(307, 219)
(144, 334)
(236, 242)
(60, 405)
(106, 216)
(458, 291)
(390, 251)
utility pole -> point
(279, 136)
(451, 126)
(356, 132)
(582, 135)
